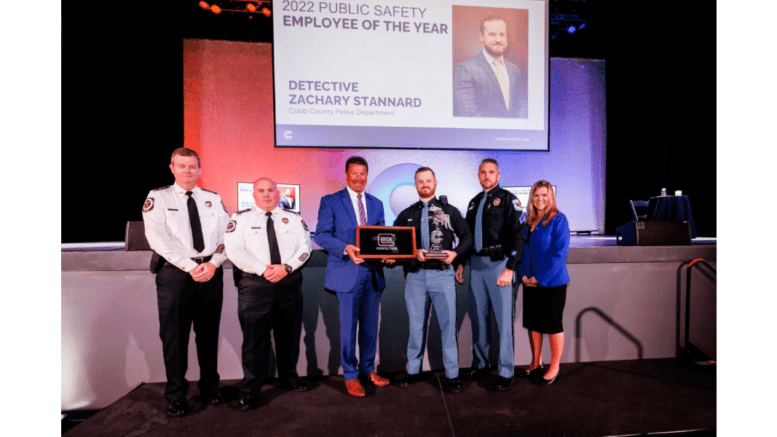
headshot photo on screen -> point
(490, 61)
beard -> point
(494, 54)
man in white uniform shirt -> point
(185, 226)
(269, 245)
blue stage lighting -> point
(571, 29)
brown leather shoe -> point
(378, 380)
(355, 388)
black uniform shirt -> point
(451, 225)
(501, 224)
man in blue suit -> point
(358, 284)
(488, 85)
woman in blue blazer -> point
(543, 271)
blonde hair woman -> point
(544, 274)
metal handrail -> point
(612, 323)
(693, 263)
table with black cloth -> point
(671, 208)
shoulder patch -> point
(245, 210)
(231, 226)
(148, 205)
(517, 205)
(161, 188)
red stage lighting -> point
(266, 12)
(204, 5)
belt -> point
(492, 251)
(198, 260)
(433, 265)
(253, 275)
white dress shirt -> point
(248, 247)
(355, 203)
(503, 69)
(169, 233)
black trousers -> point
(184, 302)
(263, 306)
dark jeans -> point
(183, 302)
(263, 306)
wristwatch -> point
(288, 268)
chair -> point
(135, 236)
(642, 205)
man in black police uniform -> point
(494, 216)
(185, 227)
(269, 246)
(429, 281)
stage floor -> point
(613, 398)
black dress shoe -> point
(473, 373)
(178, 408)
(523, 373)
(503, 383)
(550, 381)
(297, 385)
(214, 398)
(248, 401)
(408, 381)
(454, 385)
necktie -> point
(502, 83)
(425, 227)
(362, 212)
(479, 225)
(272, 241)
(194, 222)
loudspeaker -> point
(135, 236)
(654, 233)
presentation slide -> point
(419, 74)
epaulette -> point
(161, 188)
(245, 210)
(203, 189)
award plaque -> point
(386, 242)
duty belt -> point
(494, 251)
(433, 265)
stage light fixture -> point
(239, 6)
